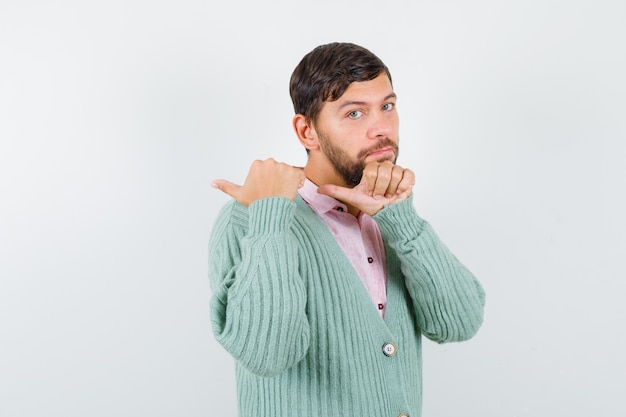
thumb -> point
(356, 197)
(227, 187)
(347, 195)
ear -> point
(305, 131)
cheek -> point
(394, 122)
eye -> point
(388, 106)
(355, 114)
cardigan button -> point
(389, 349)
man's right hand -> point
(265, 179)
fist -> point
(382, 183)
(385, 179)
(267, 178)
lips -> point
(382, 154)
(382, 151)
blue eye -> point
(355, 114)
(388, 106)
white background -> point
(115, 116)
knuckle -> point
(258, 163)
(384, 175)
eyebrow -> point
(362, 103)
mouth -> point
(384, 153)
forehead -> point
(367, 91)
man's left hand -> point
(382, 183)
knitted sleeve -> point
(258, 301)
(447, 298)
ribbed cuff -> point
(270, 215)
(400, 220)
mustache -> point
(383, 143)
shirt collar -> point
(320, 203)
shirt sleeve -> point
(258, 302)
(447, 298)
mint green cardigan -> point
(305, 335)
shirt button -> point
(339, 208)
(389, 349)
(370, 259)
(380, 306)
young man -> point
(325, 278)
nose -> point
(381, 125)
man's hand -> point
(382, 183)
(265, 179)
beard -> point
(351, 171)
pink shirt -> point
(359, 237)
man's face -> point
(358, 128)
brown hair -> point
(325, 73)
